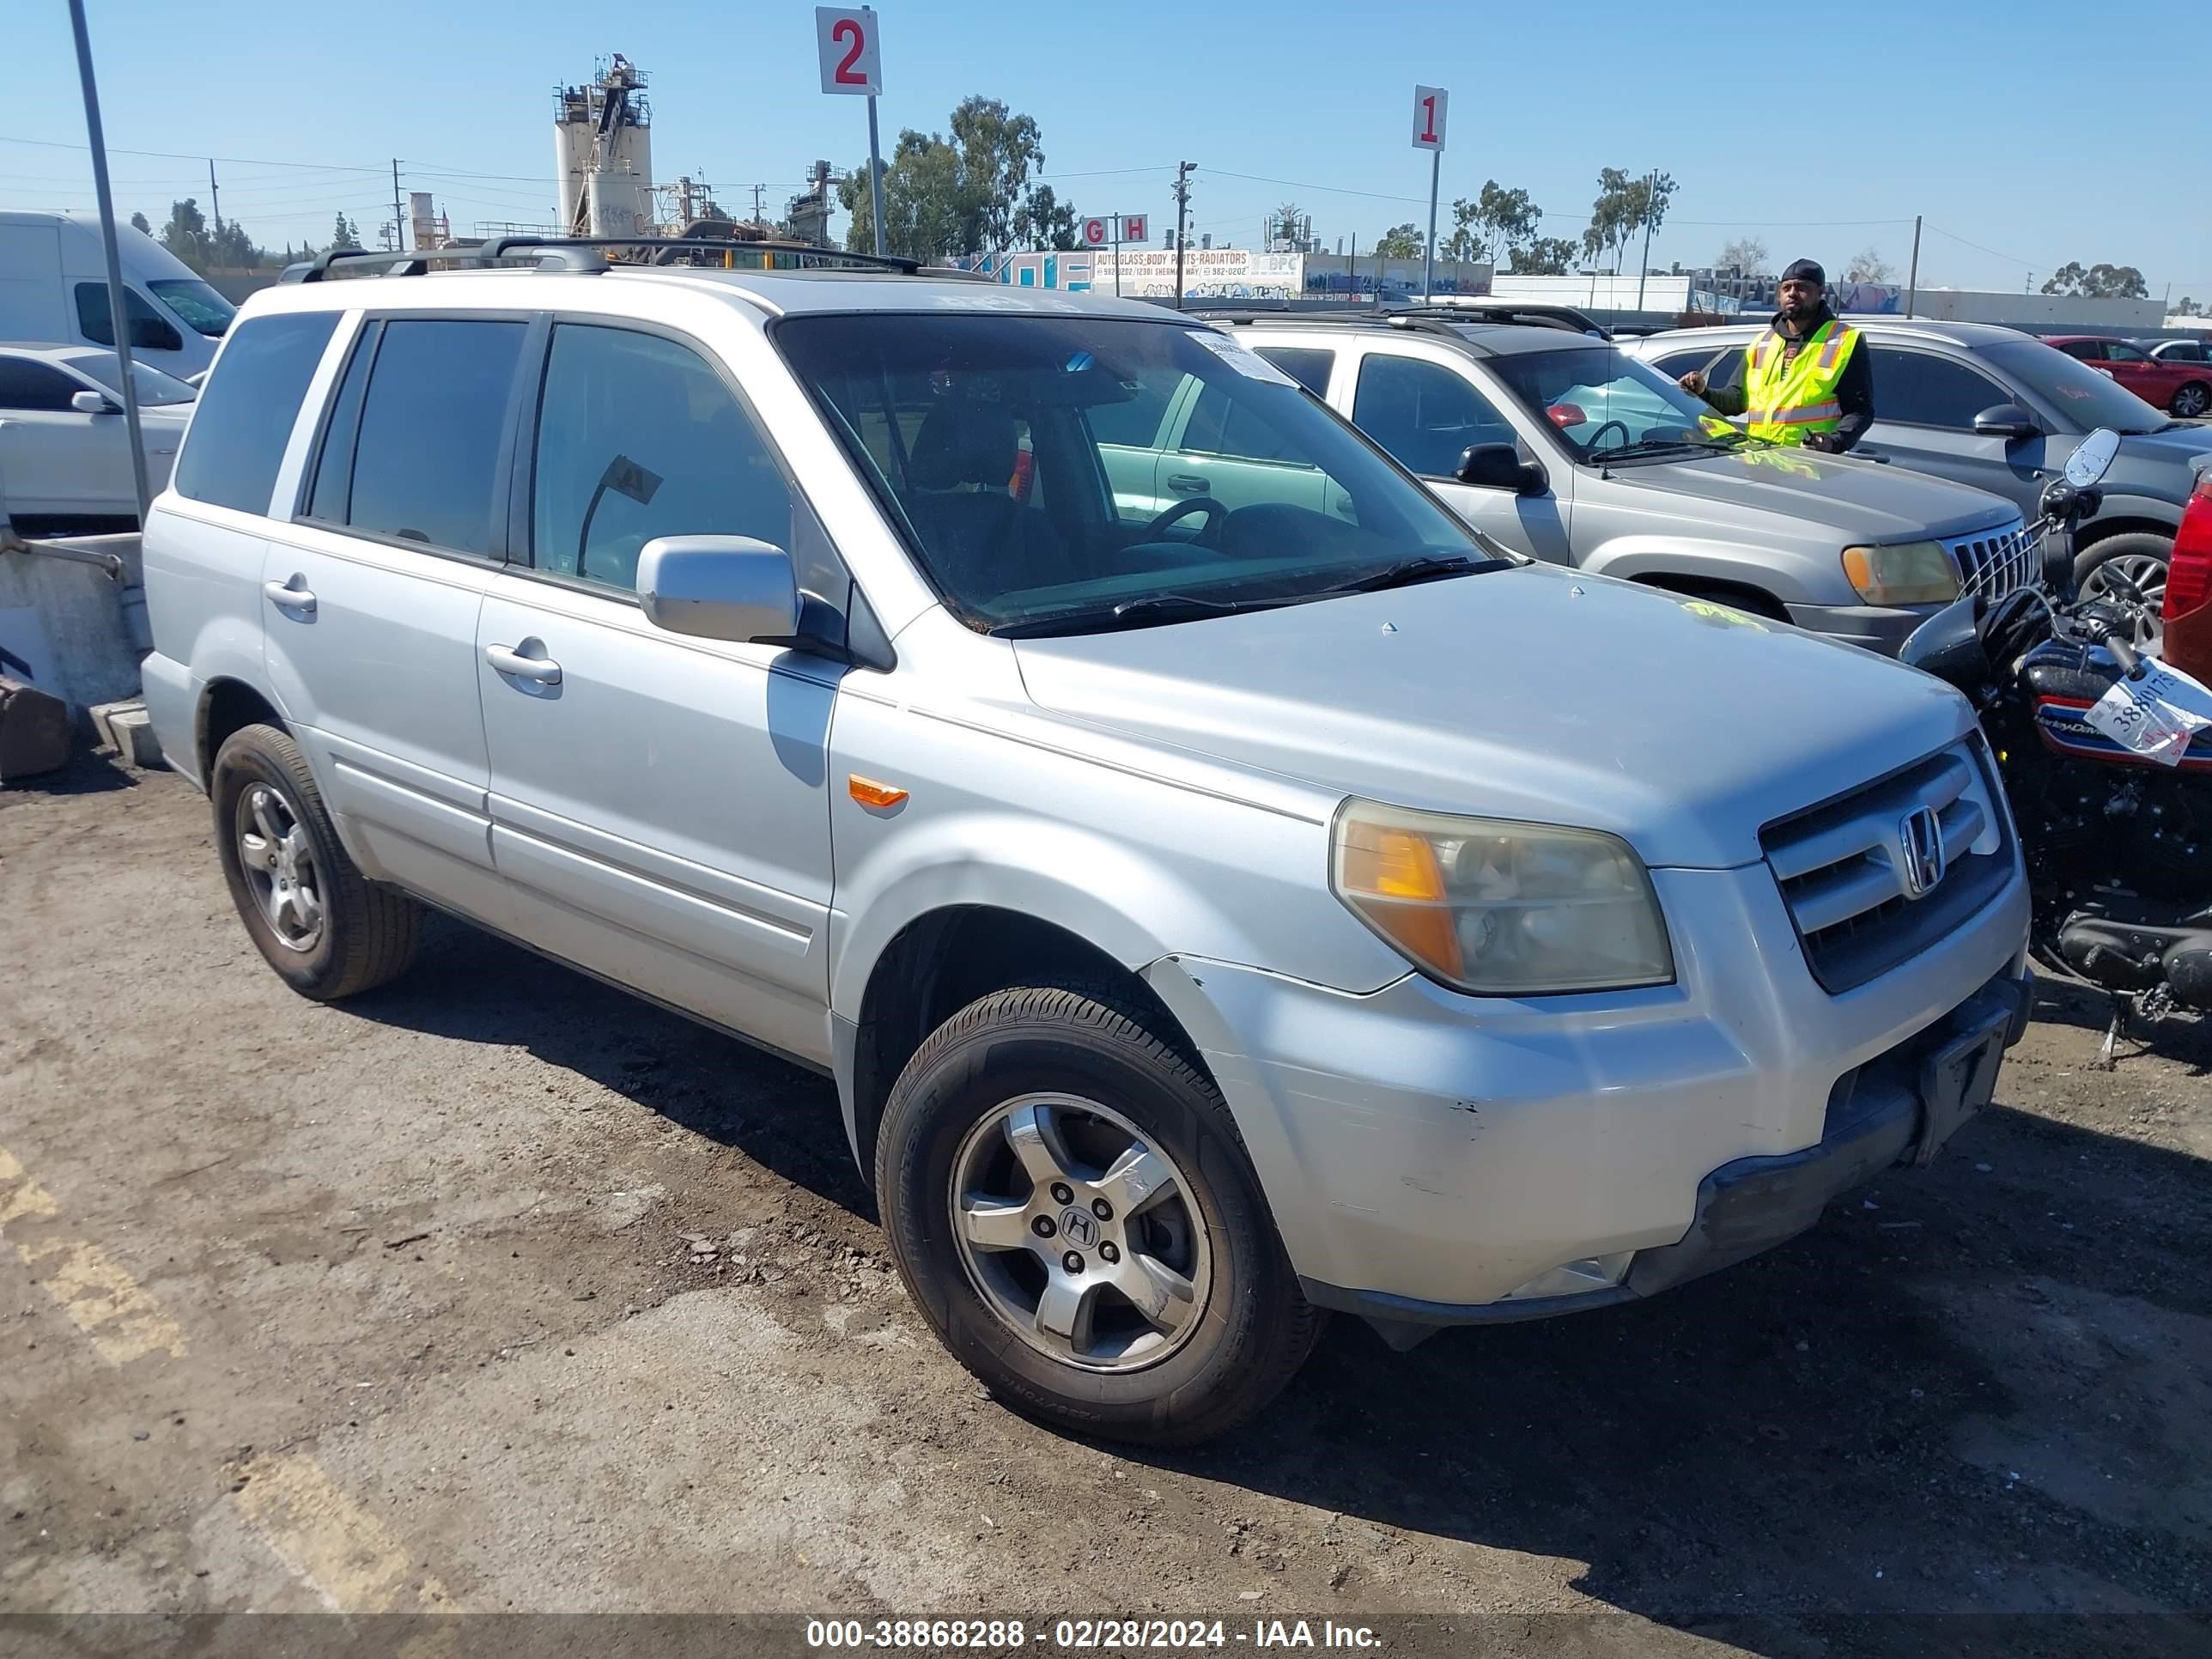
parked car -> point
(2178, 351)
(2000, 410)
(1583, 455)
(1212, 914)
(53, 291)
(2180, 387)
(64, 449)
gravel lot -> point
(497, 1290)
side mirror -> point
(718, 588)
(1499, 466)
(2007, 421)
(92, 403)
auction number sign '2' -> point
(847, 43)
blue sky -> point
(2004, 124)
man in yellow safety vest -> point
(1806, 381)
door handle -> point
(542, 671)
(1189, 484)
(285, 597)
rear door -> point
(1424, 405)
(659, 803)
(1218, 453)
(371, 592)
(1925, 402)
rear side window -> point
(2089, 351)
(426, 464)
(1308, 365)
(246, 410)
(35, 387)
(637, 437)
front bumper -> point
(1432, 1157)
(1876, 626)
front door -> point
(53, 458)
(369, 599)
(659, 804)
(1924, 407)
(1427, 411)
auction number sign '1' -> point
(847, 43)
(1428, 104)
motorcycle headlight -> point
(1910, 573)
(1499, 907)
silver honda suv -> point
(1212, 914)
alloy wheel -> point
(279, 861)
(2146, 570)
(1080, 1234)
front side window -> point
(207, 311)
(153, 386)
(1607, 407)
(1038, 545)
(150, 330)
(1424, 413)
(2119, 351)
(35, 388)
(1922, 389)
(426, 464)
(247, 409)
(638, 437)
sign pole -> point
(875, 176)
(118, 313)
(1429, 249)
(1117, 256)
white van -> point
(53, 291)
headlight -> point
(1503, 909)
(1910, 573)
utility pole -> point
(1912, 278)
(1182, 224)
(757, 218)
(1644, 264)
(398, 219)
(215, 197)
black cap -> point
(1805, 270)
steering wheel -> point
(1215, 513)
(1591, 448)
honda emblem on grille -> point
(1920, 843)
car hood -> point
(1860, 501)
(1535, 694)
(2179, 444)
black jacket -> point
(1854, 393)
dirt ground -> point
(499, 1291)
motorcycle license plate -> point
(1958, 1080)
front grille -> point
(1993, 562)
(1841, 865)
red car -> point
(2181, 388)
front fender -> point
(1790, 577)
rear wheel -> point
(2137, 557)
(325, 928)
(2194, 397)
(1069, 1202)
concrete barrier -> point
(73, 618)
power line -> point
(180, 155)
(2011, 259)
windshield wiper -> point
(1427, 567)
(1147, 612)
(1646, 447)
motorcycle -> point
(2107, 754)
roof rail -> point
(508, 247)
(576, 254)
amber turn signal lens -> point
(1396, 874)
(869, 793)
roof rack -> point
(1526, 313)
(586, 255)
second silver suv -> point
(1573, 450)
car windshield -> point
(1069, 473)
(2086, 397)
(192, 299)
(1606, 405)
(152, 386)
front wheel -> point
(2191, 402)
(1067, 1201)
(2138, 557)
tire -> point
(2191, 401)
(1217, 1355)
(361, 934)
(2140, 556)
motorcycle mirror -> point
(2092, 458)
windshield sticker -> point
(1250, 364)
